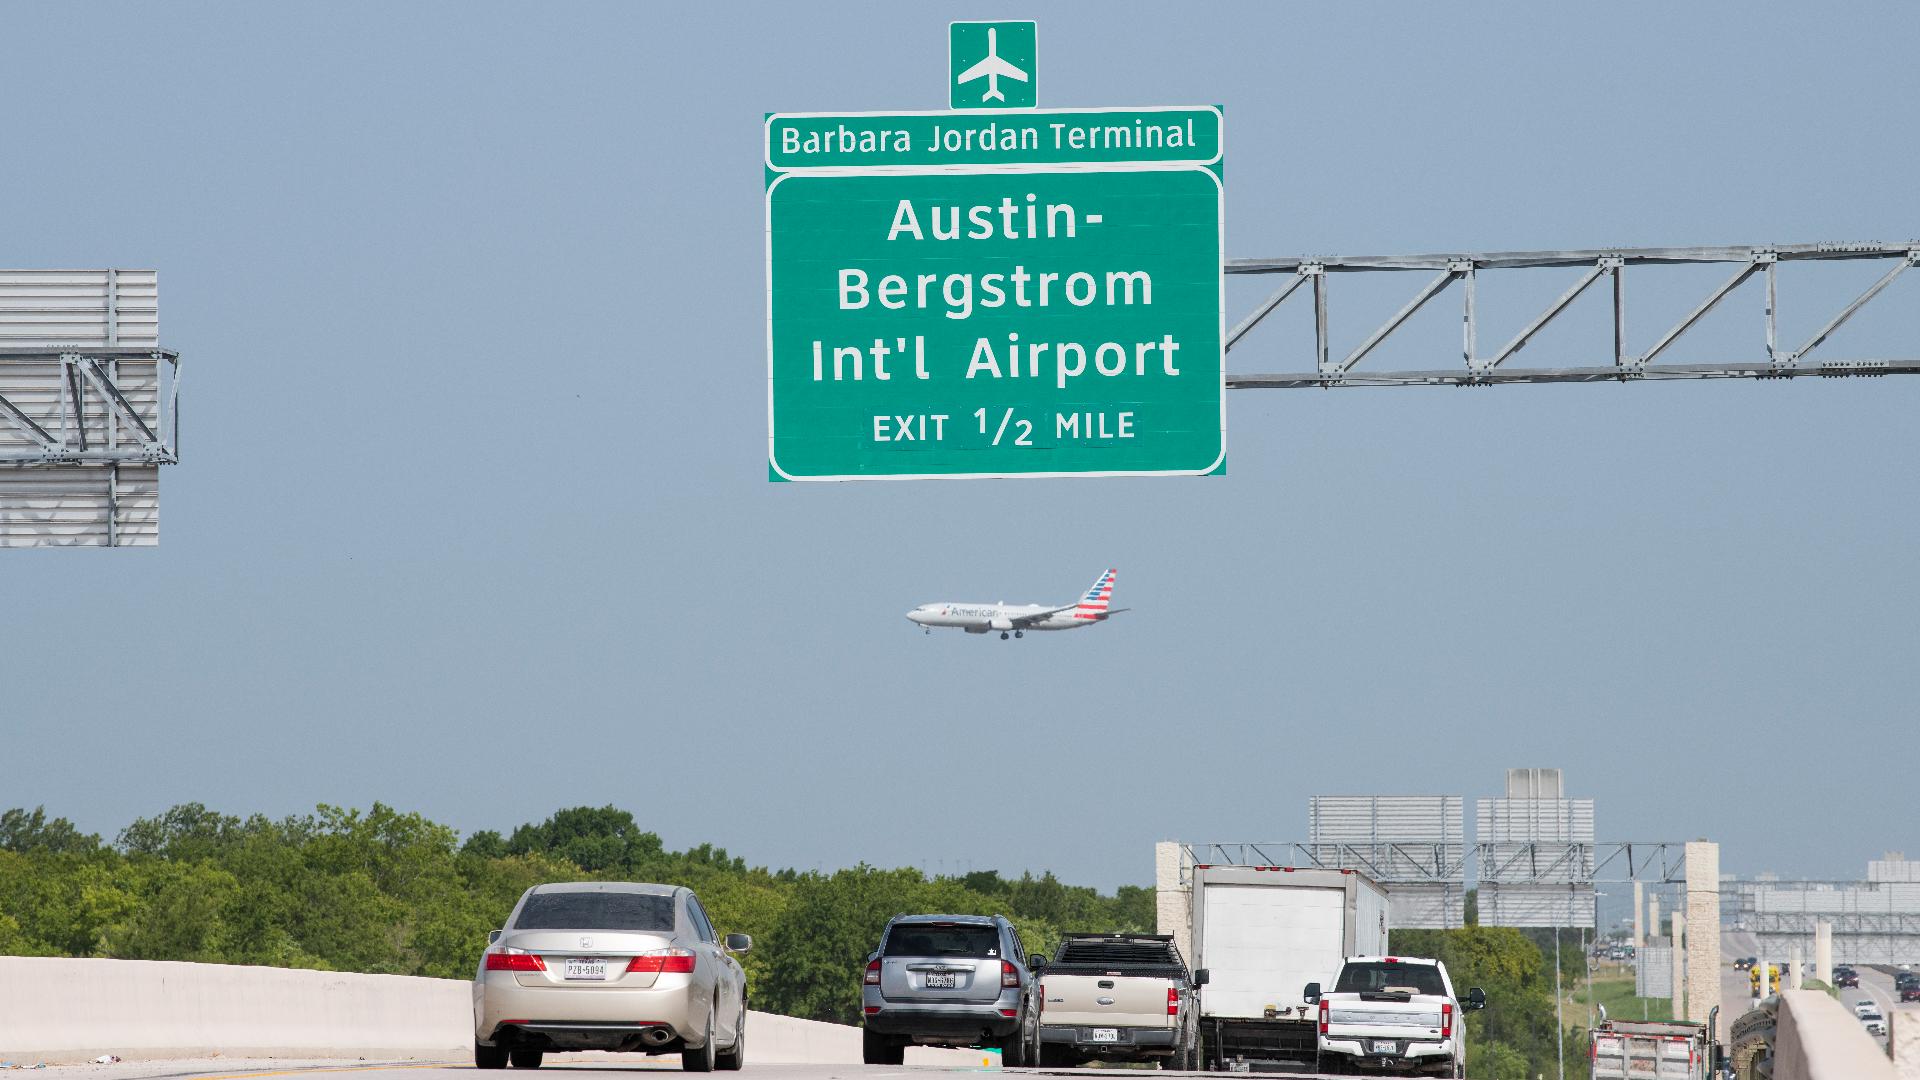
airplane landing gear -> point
(1019, 633)
(1003, 635)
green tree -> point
(30, 831)
(602, 839)
(820, 944)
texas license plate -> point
(1111, 1035)
(584, 969)
(943, 980)
(1388, 1047)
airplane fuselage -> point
(1014, 620)
(983, 618)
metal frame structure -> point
(1659, 862)
(1429, 863)
(1627, 365)
(113, 434)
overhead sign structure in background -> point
(995, 292)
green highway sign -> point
(995, 293)
(993, 65)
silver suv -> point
(950, 980)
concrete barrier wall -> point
(1903, 1027)
(1816, 1038)
(55, 1009)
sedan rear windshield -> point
(596, 911)
(927, 939)
(1385, 978)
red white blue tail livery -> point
(1014, 620)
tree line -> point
(393, 892)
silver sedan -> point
(601, 965)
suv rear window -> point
(1377, 978)
(596, 911)
(929, 939)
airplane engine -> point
(1001, 623)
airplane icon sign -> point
(993, 69)
(964, 44)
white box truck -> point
(1263, 933)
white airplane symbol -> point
(993, 68)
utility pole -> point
(1559, 1031)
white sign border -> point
(1221, 301)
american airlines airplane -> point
(1017, 619)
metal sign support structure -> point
(1627, 365)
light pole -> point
(1559, 1026)
(1588, 961)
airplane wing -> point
(1038, 616)
(992, 65)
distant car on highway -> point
(1864, 1007)
(1845, 977)
(1909, 993)
(949, 980)
(1745, 963)
(605, 965)
(1904, 979)
(1873, 1022)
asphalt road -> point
(569, 1066)
(1876, 986)
(1736, 987)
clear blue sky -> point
(473, 516)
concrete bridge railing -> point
(56, 1009)
(1817, 1038)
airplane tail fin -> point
(1093, 604)
(993, 95)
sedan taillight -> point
(514, 960)
(873, 973)
(1009, 974)
(663, 962)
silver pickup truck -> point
(1118, 997)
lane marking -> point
(327, 1069)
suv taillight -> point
(1446, 1019)
(663, 962)
(873, 973)
(1323, 1016)
(1173, 1001)
(1009, 975)
(514, 960)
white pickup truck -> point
(1118, 997)
(1395, 1015)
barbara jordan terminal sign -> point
(995, 293)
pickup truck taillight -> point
(1323, 1016)
(1446, 1019)
(514, 960)
(1009, 974)
(1173, 1001)
(873, 973)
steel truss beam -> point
(69, 436)
(1843, 922)
(1611, 263)
(1653, 862)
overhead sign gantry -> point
(995, 292)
